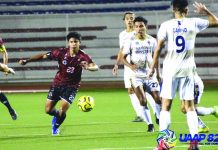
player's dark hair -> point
(180, 5)
(126, 13)
(74, 35)
(140, 19)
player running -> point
(139, 49)
(4, 68)
(71, 62)
(179, 65)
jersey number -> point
(70, 69)
(180, 42)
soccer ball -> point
(167, 139)
(86, 103)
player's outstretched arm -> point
(92, 67)
(5, 57)
(6, 69)
(34, 58)
(202, 9)
(89, 66)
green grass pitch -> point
(107, 127)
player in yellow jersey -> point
(4, 68)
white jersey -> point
(123, 37)
(180, 35)
(140, 53)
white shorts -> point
(185, 85)
(199, 88)
(148, 85)
(127, 74)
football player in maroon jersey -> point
(71, 62)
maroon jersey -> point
(70, 71)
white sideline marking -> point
(25, 91)
(96, 123)
(24, 135)
(6, 124)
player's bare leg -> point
(5, 101)
(157, 99)
(62, 113)
(51, 110)
(136, 105)
(140, 93)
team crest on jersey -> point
(179, 23)
(64, 62)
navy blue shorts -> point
(57, 93)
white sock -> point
(136, 104)
(192, 120)
(157, 110)
(151, 102)
(202, 111)
(146, 115)
(165, 120)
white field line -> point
(96, 123)
(25, 91)
(25, 135)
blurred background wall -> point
(29, 27)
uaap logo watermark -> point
(202, 138)
(167, 139)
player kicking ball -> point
(71, 62)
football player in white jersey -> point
(179, 65)
(123, 37)
(139, 49)
(201, 111)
